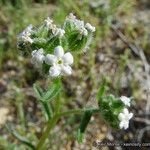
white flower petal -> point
(66, 70)
(90, 27)
(33, 52)
(126, 124)
(59, 51)
(37, 57)
(130, 115)
(26, 38)
(83, 31)
(125, 100)
(60, 32)
(29, 40)
(67, 58)
(48, 21)
(54, 71)
(79, 23)
(50, 59)
(121, 116)
(41, 58)
(40, 51)
(125, 111)
(71, 16)
(121, 124)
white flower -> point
(60, 62)
(25, 35)
(80, 27)
(59, 32)
(26, 38)
(83, 31)
(56, 31)
(53, 28)
(71, 16)
(124, 118)
(89, 27)
(48, 22)
(125, 100)
(37, 57)
(79, 23)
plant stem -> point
(77, 111)
(51, 123)
(58, 100)
(48, 110)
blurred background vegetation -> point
(122, 32)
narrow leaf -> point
(38, 91)
(79, 136)
(83, 125)
(19, 137)
(52, 92)
(101, 92)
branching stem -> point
(51, 123)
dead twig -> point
(141, 133)
(142, 120)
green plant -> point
(47, 47)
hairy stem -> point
(51, 123)
(48, 110)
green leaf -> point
(52, 92)
(80, 136)
(48, 110)
(39, 43)
(83, 125)
(51, 44)
(38, 91)
(19, 137)
(101, 92)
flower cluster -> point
(79, 33)
(125, 116)
(114, 111)
(53, 28)
(79, 25)
(48, 43)
(25, 35)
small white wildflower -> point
(59, 32)
(125, 100)
(53, 27)
(48, 22)
(83, 31)
(89, 27)
(79, 23)
(37, 57)
(26, 38)
(80, 27)
(60, 62)
(25, 35)
(71, 16)
(124, 118)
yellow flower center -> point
(59, 61)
